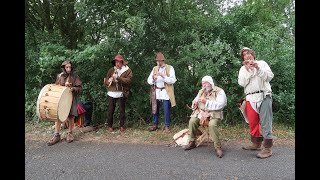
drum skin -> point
(54, 103)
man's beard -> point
(208, 88)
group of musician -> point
(207, 106)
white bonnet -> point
(208, 79)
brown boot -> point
(166, 129)
(70, 137)
(54, 139)
(191, 145)
(198, 133)
(255, 144)
(110, 129)
(219, 152)
(153, 128)
(267, 149)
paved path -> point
(93, 160)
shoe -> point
(252, 147)
(122, 129)
(55, 139)
(265, 153)
(198, 133)
(153, 128)
(219, 152)
(191, 145)
(166, 129)
(110, 129)
(70, 137)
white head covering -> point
(208, 79)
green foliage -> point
(196, 38)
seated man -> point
(208, 103)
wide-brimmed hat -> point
(119, 58)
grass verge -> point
(283, 135)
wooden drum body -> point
(54, 103)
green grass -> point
(43, 129)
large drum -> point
(54, 103)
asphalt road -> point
(93, 160)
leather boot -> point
(70, 137)
(191, 145)
(166, 129)
(219, 152)
(255, 144)
(153, 128)
(55, 139)
(267, 149)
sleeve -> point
(264, 71)
(172, 78)
(243, 77)
(126, 79)
(57, 82)
(150, 78)
(77, 86)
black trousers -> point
(112, 106)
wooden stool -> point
(204, 136)
(79, 122)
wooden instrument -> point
(115, 72)
(54, 103)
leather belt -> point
(160, 88)
(255, 92)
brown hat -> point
(160, 57)
(119, 58)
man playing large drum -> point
(69, 79)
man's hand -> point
(250, 65)
(202, 100)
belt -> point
(160, 88)
(255, 92)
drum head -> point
(182, 137)
(64, 104)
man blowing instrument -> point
(162, 77)
(210, 102)
(117, 81)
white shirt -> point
(162, 93)
(256, 81)
(218, 104)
